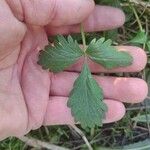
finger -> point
(139, 62)
(11, 30)
(102, 18)
(55, 12)
(131, 90)
(55, 116)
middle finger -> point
(130, 90)
(139, 62)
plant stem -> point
(139, 2)
(83, 37)
(40, 144)
(83, 137)
(137, 17)
(92, 132)
(84, 42)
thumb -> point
(55, 12)
(12, 32)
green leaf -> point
(142, 118)
(140, 38)
(61, 55)
(103, 53)
(85, 100)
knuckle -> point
(37, 12)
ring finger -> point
(55, 116)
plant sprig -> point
(86, 97)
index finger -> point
(102, 18)
(53, 12)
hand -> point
(31, 97)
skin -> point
(31, 97)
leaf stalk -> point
(83, 37)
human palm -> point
(31, 97)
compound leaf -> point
(61, 55)
(85, 100)
(103, 53)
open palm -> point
(31, 97)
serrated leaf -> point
(85, 100)
(61, 55)
(103, 53)
(142, 118)
(140, 38)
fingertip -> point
(116, 111)
(104, 18)
(139, 58)
(143, 56)
(119, 17)
(138, 90)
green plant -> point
(86, 97)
